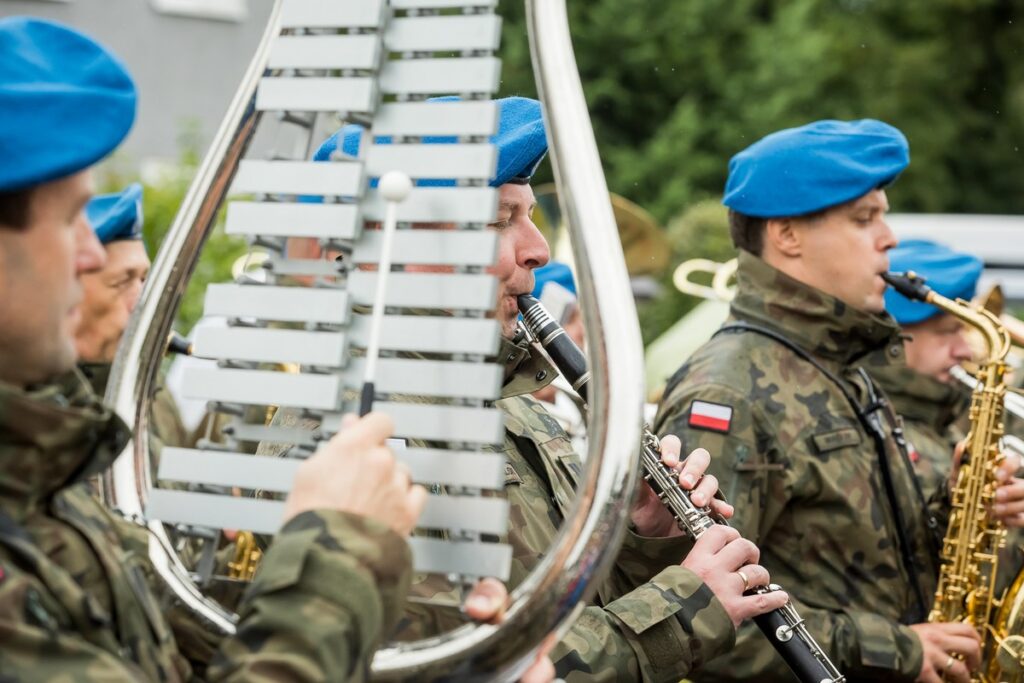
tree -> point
(676, 88)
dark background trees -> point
(675, 87)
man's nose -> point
(90, 255)
(533, 248)
(961, 349)
(887, 239)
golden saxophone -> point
(970, 549)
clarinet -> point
(783, 627)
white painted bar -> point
(286, 304)
(341, 178)
(443, 34)
(432, 247)
(325, 52)
(316, 94)
(438, 76)
(466, 118)
(263, 387)
(428, 290)
(438, 205)
(320, 14)
(270, 345)
(294, 219)
(434, 160)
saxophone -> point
(974, 537)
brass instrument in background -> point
(645, 246)
(721, 276)
(970, 549)
(247, 557)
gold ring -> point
(746, 581)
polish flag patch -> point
(714, 417)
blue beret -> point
(554, 272)
(802, 170)
(520, 139)
(117, 216)
(65, 102)
(951, 273)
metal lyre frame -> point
(550, 597)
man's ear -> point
(783, 236)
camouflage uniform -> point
(658, 621)
(165, 419)
(933, 415)
(78, 597)
(838, 516)
(935, 420)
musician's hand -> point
(718, 557)
(940, 642)
(1009, 505)
(651, 517)
(356, 472)
(487, 603)
(692, 477)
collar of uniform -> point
(51, 437)
(97, 374)
(919, 397)
(526, 370)
(818, 322)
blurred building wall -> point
(187, 57)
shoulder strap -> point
(871, 421)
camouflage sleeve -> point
(659, 632)
(641, 558)
(330, 586)
(863, 645)
(39, 643)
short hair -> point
(14, 208)
(747, 232)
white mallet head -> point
(395, 186)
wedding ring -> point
(746, 581)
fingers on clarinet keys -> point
(356, 472)
(727, 564)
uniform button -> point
(541, 375)
(894, 351)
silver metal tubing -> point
(127, 484)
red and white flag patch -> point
(711, 416)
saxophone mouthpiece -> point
(909, 284)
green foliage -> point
(702, 231)
(676, 88)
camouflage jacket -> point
(839, 517)
(657, 621)
(165, 425)
(78, 598)
(933, 413)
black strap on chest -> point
(871, 420)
